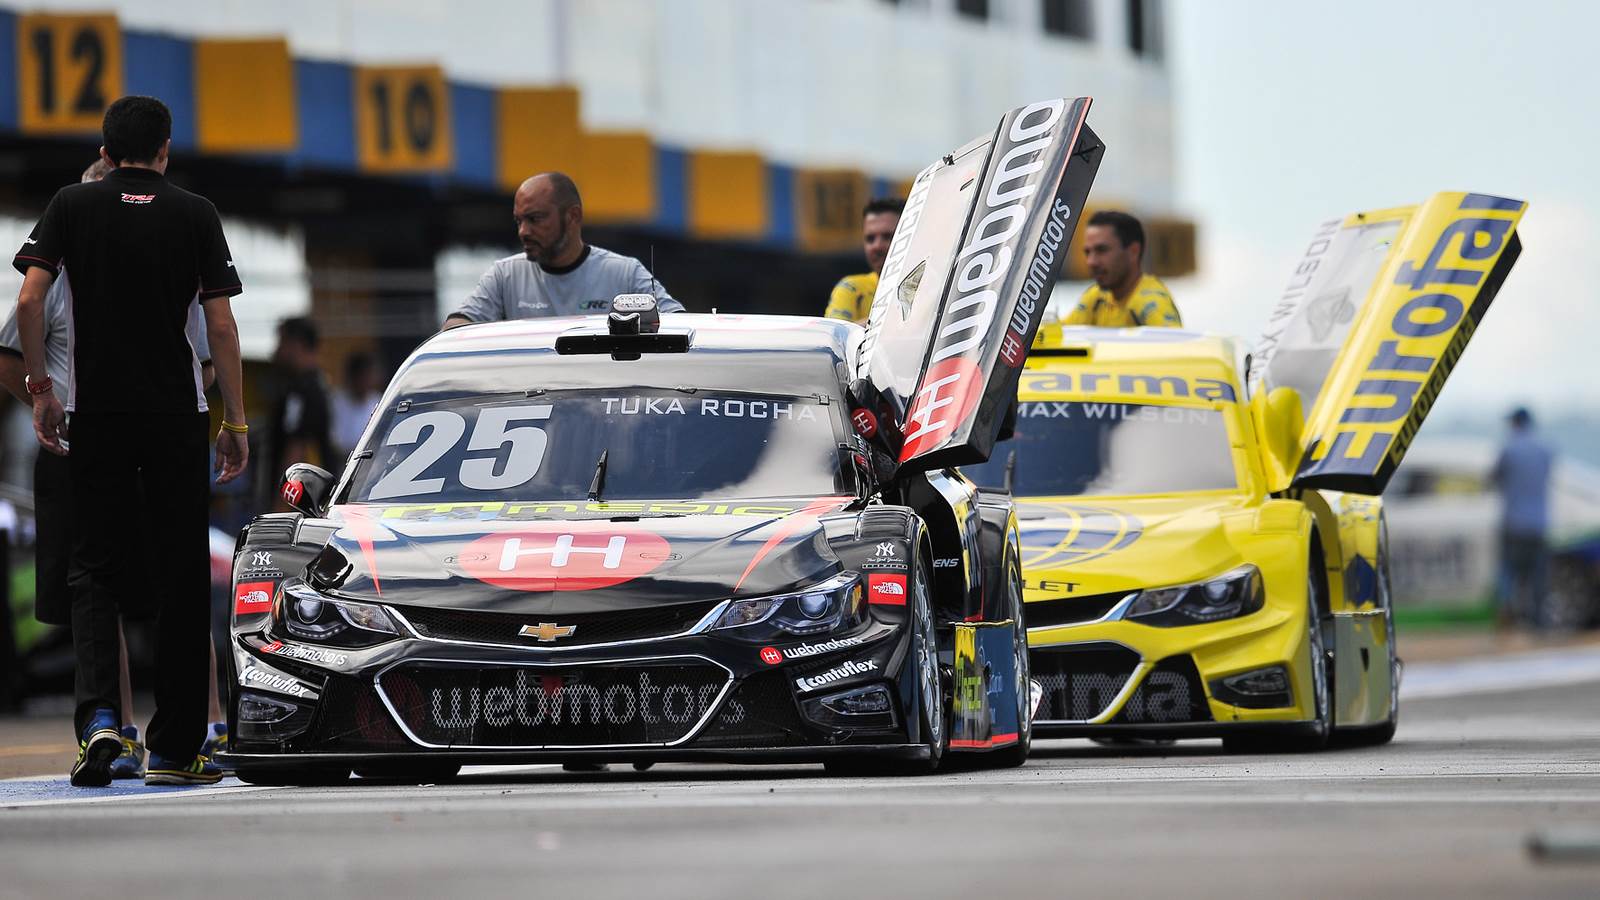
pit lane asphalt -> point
(1448, 810)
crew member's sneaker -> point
(131, 763)
(216, 744)
(98, 746)
(197, 771)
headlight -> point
(1238, 593)
(307, 615)
(829, 606)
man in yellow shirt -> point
(852, 296)
(1122, 296)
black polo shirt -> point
(138, 253)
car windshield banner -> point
(1376, 316)
(967, 280)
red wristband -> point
(38, 387)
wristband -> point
(236, 429)
(42, 386)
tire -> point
(1307, 737)
(933, 717)
(409, 773)
(1016, 754)
(1383, 732)
(286, 777)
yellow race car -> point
(1204, 551)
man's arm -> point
(1156, 309)
(49, 420)
(484, 304)
(844, 303)
(223, 334)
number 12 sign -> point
(69, 69)
(402, 119)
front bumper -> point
(753, 755)
(698, 696)
(1111, 677)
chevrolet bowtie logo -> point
(546, 632)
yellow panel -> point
(244, 96)
(1171, 247)
(538, 132)
(617, 176)
(402, 119)
(828, 208)
(69, 69)
(727, 195)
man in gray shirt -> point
(557, 274)
(1522, 477)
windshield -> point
(1080, 448)
(659, 444)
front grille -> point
(1080, 680)
(1070, 610)
(760, 713)
(353, 718)
(557, 706)
(1171, 692)
(589, 628)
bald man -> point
(557, 274)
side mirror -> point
(1279, 422)
(307, 489)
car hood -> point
(1099, 545)
(584, 557)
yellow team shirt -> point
(1151, 304)
(852, 298)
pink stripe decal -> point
(789, 526)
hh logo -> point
(771, 656)
(574, 556)
(292, 492)
(252, 597)
(886, 590)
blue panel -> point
(472, 116)
(8, 66)
(672, 211)
(880, 187)
(326, 107)
(162, 66)
(780, 205)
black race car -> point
(691, 537)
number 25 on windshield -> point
(493, 431)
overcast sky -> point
(1290, 112)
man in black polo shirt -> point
(140, 254)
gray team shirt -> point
(519, 288)
(58, 339)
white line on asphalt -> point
(117, 798)
(1500, 674)
(513, 803)
(74, 796)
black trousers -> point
(111, 455)
(52, 501)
